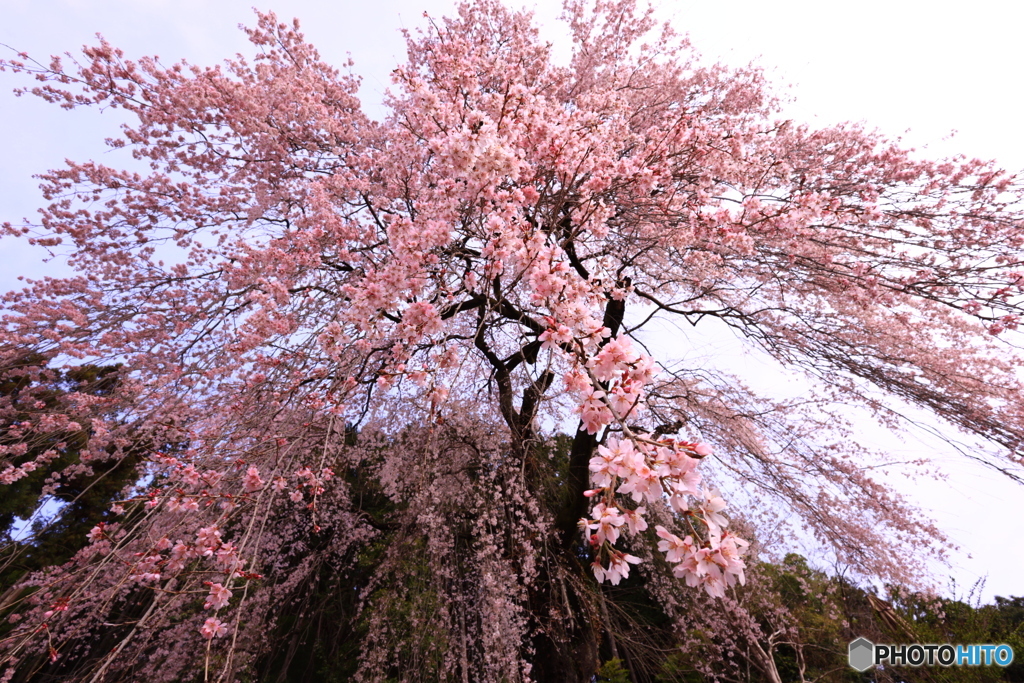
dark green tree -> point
(58, 512)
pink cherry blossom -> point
(618, 568)
(711, 509)
(613, 358)
(213, 628)
(553, 337)
(606, 523)
(218, 597)
(635, 521)
(593, 411)
(676, 549)
(251, 482)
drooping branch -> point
(583, 445)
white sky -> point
(908, 67)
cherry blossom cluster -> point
(45, 426)
(651, 472)
(715, 564)
(200, 488)
(166, 558)
(610, 388)
(213, 628)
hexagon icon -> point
(862, 654)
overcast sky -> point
(919, 70)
